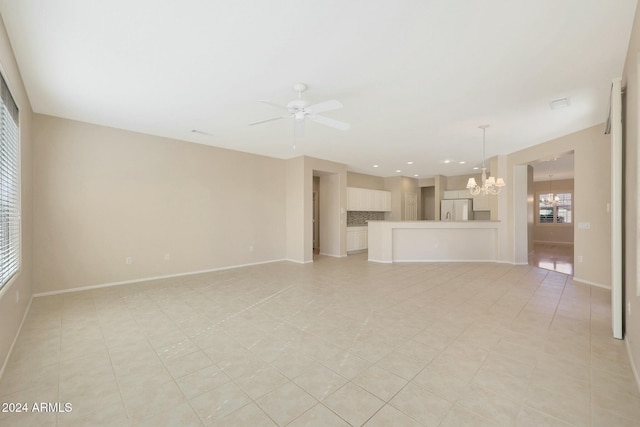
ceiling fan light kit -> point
(490, 185)
(300, 110)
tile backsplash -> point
(360, 218)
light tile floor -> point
(335, 343)
(553, 256)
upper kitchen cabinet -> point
(363, 199)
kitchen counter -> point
(429, 241)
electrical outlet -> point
(128, 260)
(580, 259)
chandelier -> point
(489, 185)
(550, 198)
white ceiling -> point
(416, 77)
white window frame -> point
(10, 188)
(555, 209)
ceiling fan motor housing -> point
(297, 105)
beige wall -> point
(361, 180)
(399, 186)
(330, 215)
(553, 233)
(632, 211)
(16, 295)
(333, 208)
(459, 182)
(299, 208)
(394, 185)
(103, 194)
(592, 189)
(531, 209)
(295, 188)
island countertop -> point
(428, 241)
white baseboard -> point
(634, 369)
(587, 282)
(544, 242)
(15, 339)
(379, 261)
(331, 255)
(145, 279)
(442, 260)
(296, 261)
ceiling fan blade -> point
(324, 106)
(329, 122)
(268, 120)
(273, 104)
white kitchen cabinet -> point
(481, 203)
(457, 194)
(381, 201)
(354, 199)
(357, 238)
(363, 199)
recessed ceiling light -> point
(559, 103)
(398, 170)
(476, 168)
(375, 166)
(416, 175)
(409, 163)
(462, 162)
(447, 161)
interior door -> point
(410, 207)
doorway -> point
(316, 215)
(325, 219)
(552, 198)
(428, 203)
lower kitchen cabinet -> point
(357, 238)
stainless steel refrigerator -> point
(456, 210)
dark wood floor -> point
(555, 257)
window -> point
(9, 186)
(555, 208)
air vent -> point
(556, 104)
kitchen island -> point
(429, 241)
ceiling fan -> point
(299, 110)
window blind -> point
(9, 186)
